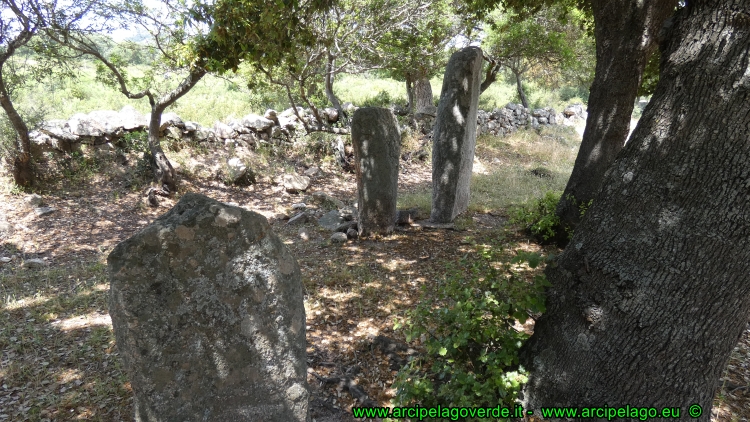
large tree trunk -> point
(652, 293)
(22, 171)
(423, 97)
(625, 33)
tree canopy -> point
(548, 41)
(255, 31)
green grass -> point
(421, 200)
(357, 89)
(210, 100)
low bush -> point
(381, 99)
(539, 218)
(467, 328)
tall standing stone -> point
(454, 136)
(207, 309)
(377, 147)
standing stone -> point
(206, 304)
(377, 147)
(454, 136)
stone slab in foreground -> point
(207, 309)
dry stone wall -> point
(104, 127)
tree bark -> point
(410, 94)
(626, 34)
(490, 75)
(651, 295)
(164, 174)
(519, 89)
(423, 97)
(23, 174)
(22, 171)
(329, 86)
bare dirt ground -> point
(58, 359)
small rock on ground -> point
(294, 183)
(331, 220)
(34, 263)
(339, 237)
(304, 234)
(300, 218)
(33, 201)
(42, 211)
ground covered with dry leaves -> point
(58, 358)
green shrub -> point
(539, 217)
(573, 94)
(78, 92)
(382, 99)
(134, 142)
(467, 328)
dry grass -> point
(59, 360)
(503, 175)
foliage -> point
(572, 94)
(260, 32)
(650, 75)
(405, 38)
(77, 166)
(134, 142)
(542, 38)
(418, 50)
(550, 46)
(478, 10)
(20, 24)
(583, 206)
(467, 329)
(381, 99)
(539, 217)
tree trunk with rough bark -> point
(652, 293)
(163, 171)
(423, 97)
(410, 94)
(519, 89)
(626, 34)
(329, 86)
(23, 174)
(164, 174)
